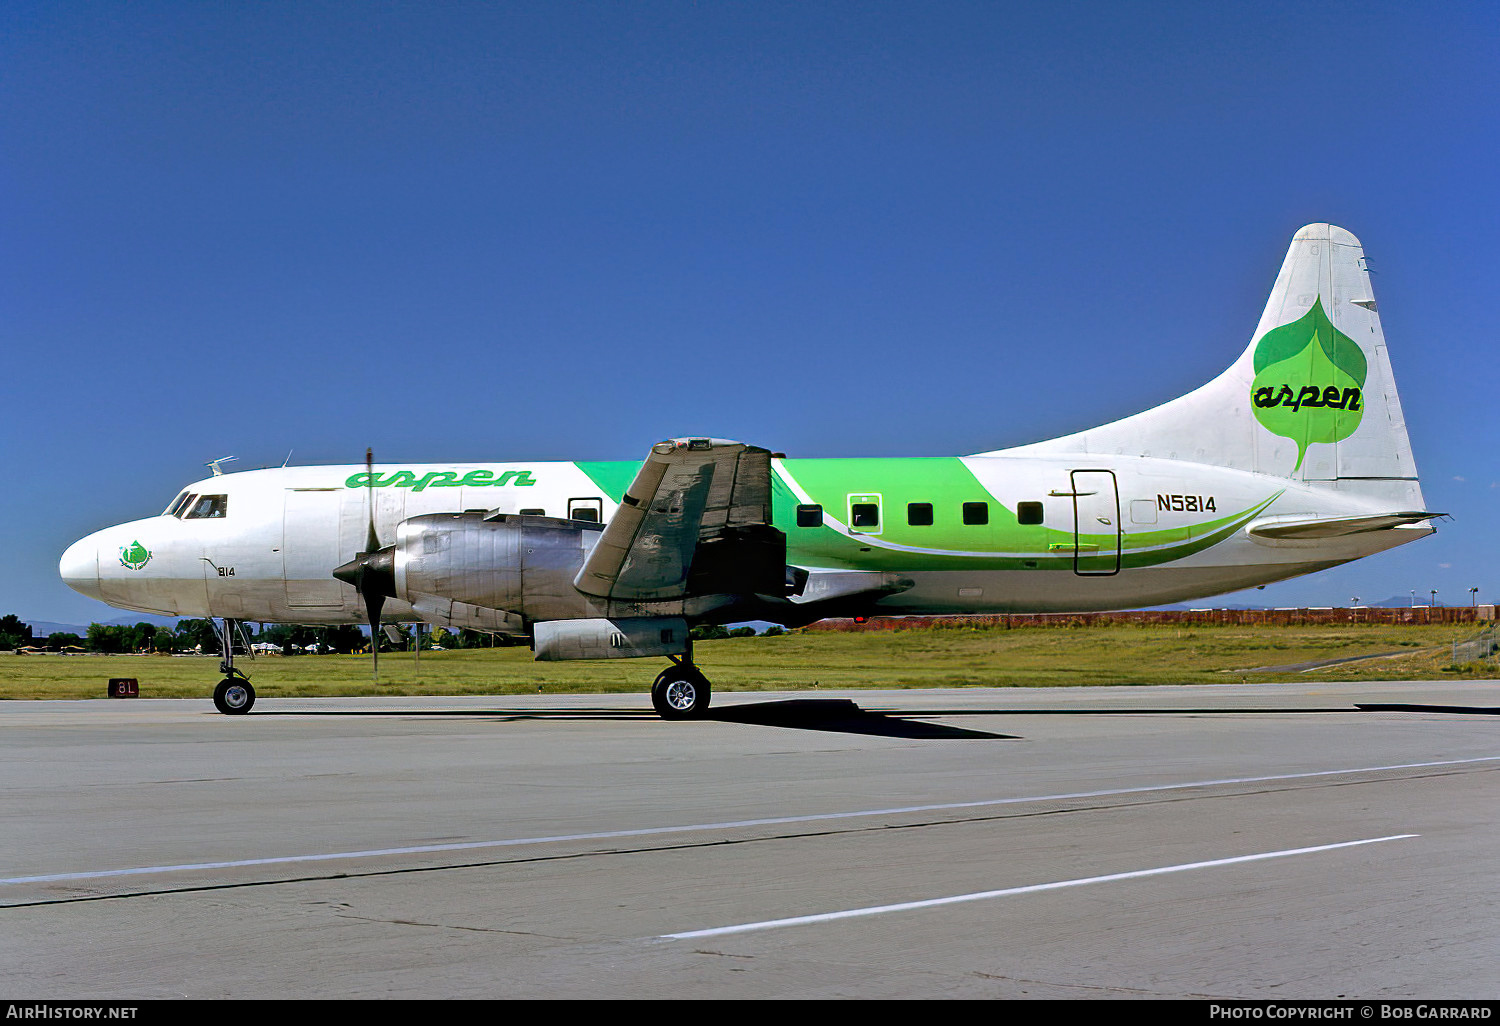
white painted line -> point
(825, 917)
(608, 835)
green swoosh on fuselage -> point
(947, 544)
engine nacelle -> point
(504, 572)
(619, 638)
(522, 564)
(447, 613)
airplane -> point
(1293, 460)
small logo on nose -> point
(134, 556)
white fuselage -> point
(265, 548)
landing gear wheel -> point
(680, 693)
(234, 696)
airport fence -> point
(1483, 645)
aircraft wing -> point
(695, 521)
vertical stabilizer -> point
(1312, 398)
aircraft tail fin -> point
(1312, 398)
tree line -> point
(192, 635)
(202, 636)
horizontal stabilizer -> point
(1297, 526)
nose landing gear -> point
(235, 694)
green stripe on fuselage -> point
(612, 477)
(943, 482)
(946, 483)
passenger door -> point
(1096, 523)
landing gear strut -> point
(234, 695)
(681, 692)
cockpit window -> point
(207, 507)
(184, 504)
(177, 504)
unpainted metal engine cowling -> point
(522, 564)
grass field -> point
(926, 658)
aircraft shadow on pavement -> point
(1252, 710)
(1258, 710)
(1489, 710)
(836, 715)
(843, 716)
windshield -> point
(177, 504)
(207, 507)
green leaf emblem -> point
(1309, 381)
(134, 556)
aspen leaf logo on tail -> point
(1308, 382)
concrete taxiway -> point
(1258, 841)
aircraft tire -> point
(234, 696)
(680, 694)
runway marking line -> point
(605, 835)
(874, 910)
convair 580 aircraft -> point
(1294, 459)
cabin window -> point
(864, 514)
(590, 510)
(1029, 513)
(976, 513)
(919, 514)
(533, 512)
(207, 507)
(810, 516)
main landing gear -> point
(681, 692)
(234, 695)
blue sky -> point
(463, 231)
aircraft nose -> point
(79, 567)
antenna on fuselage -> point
(214, 465)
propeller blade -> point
(373, 575)
(372, 540)
(372, 607)
(372, 572)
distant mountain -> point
(45, 628)
(135, 618)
